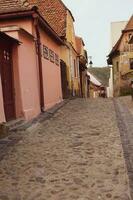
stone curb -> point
(124, 117)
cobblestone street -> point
(75, 155)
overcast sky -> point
(92, 22)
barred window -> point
(51, 55)
(45, 52)
(56, 59)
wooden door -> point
(81, 82)
(6, 72)
(65, 91)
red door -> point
(6, 72)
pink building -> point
(30, 78)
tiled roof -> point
(13, 5)
(129, 25)
(115, 48)
(79, 44)
(54, 12)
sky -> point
(92, 22)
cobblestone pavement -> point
(75, 155)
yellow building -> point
(121, 58)
(70, 56)
(83, 61)
(60, 18)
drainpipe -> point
(38, 43)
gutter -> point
(38, 43)
(16, 14)
(31, 13)
(50, 30)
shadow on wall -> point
(125, 91)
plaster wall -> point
(116, 29)
(28, 71)
(25, 23)
(51, 73)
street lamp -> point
(90, 63)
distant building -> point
(121, 58)
(116, 29)
(83, 61)
(110, 87)
(94, 86)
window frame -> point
(51, 55)
(45, 52)
(57, 60)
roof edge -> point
(28, 13)
(67, 9)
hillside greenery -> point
(101, 73)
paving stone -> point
(76, 154)
(4, 197)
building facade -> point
(83, 61)
(116, 29)
(121, 58)
(30, 57)
(63, 24)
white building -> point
(110, 88)
(95, 82)
(116, 29)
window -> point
(131, 47)
(130, 35)
(45, 52)
(126, 47)
(75, 69)
(56, 59)
(51, 55)
(131, 63)
(6, 55)
(117, 66)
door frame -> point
(10, 41)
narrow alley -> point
(75, 155)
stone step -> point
(14, 123)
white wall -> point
(116, 29)
(110, 88)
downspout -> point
(38, 43)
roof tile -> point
(13, 5)
(54, 12)
(129, 25)
(78, 44)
